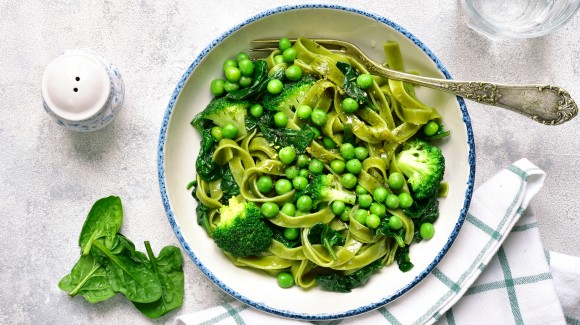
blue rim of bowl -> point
(262, 306)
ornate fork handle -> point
(547, 104)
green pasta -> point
(318, 238)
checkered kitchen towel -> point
(500, 279)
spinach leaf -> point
(385, 229)
(130, 274)
(321, 233)
(278, 235)
(206, 168)
(350, 86)
(403, 259)
(259, 84)
(421, 211)
(228, 184)
(104, 220)
(87, 278)
(201, 211)
(168, 268)
(345, 283)
(299, 139)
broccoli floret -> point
(323, 189)
(241, 230)
(222, 110)
(291, 96)
(424, 165)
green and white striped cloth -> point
(487, 277)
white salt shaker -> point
(82, 91)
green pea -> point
(264, 184)
(245, 82)
(304, 172)
(256, 110)
(233, 74)
(345, 216)
(285, 280)
(396, 180)
(348, 180)
(338, 166)
(380, 194)
(392, 201)
(304, 203)
(287, 155)
(284, 43)
(405, 200)
(289, 209)
(291, 233)
(338, 207)
(378, 209)
(230, 130)
(216, 133)
(283, 186)
(229, 63)
(319, 117)
(293, 73)
(289, 55)
(275, 86)
(365, 201)
(427, 230)
(364, 80)
(354, 166)
(349, 105)
(246, 67)
(269, 209)
(328, 143)
(347, 151)
(316, 132)
(231, 86)
(217, 87)
(316, 166)
(430, 128)
(281, 119)
(300, 182)
(302, 160)
(278, 59)
(395, 223)
(373, 221)
(360, 190)
(292, 172)
(361, 153)
(361, 216)
(242, 56)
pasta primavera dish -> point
(315, 171)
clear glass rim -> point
(491, 29)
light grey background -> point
(50, 177)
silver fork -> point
(546, 104)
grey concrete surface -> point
(50, 176)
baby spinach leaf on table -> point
(168, 268)
(87, 278)
(345, 283)
(350, 86)
(104, 220)
(130, 274)
(321, 233)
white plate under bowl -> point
(179, 146)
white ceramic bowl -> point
(179, 146)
